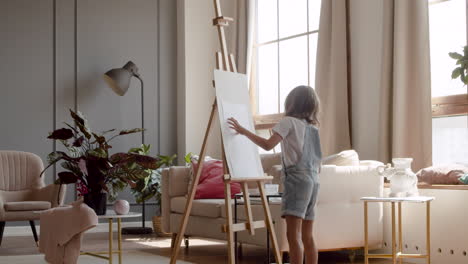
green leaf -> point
(188, 157)
(131, 131)
(455, 55)
(98, 152)
(465, 81)
(457, 72)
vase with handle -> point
(403, 181)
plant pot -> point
(157, 227)
(97, 202)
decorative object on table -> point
(150, 187)
(118, 80)
(461, 71)
(89, 164)
(121, 207)
(403, 181)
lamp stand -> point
(140, 230)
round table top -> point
(111, 214)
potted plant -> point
(150, 187)
(89, 164)
(461, 71)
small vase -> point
(97, 202)
(121, 207)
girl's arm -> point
(266, 144)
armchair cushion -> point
(27, 206)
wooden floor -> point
(199, 251)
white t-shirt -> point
(292, 131)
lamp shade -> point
(119, 79)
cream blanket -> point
(61, 231)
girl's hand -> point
(234, 124)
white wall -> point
(197, 44)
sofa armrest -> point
(174, 182)
(53, 193)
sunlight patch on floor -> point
(166, 243)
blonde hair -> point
(303, 103)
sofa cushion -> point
(344, 158)
(27, 206)
(442, 174)
(211, 183)
(205, 207)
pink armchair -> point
(22, 190)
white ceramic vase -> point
(121, 207)
(403, 181)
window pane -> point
(313, 38)
(450, 139)
(293, 66)
(314, 14)
(292, 17)
(447, 24)
(268, 79)
(267, 17)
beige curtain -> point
(373, 78)
(405, 104)
(240, 33)
(332, 77)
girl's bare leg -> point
(293, 233)
(310, 250)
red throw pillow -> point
(211, 184)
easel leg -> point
(188, 205)
(269, 223)
(230, 233)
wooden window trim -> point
(451, 105)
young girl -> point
(301, 155)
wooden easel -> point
(226, 62)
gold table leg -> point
(119, 236)
(394, 259)
(366, 236)
(428, 231)
(400, 233)
(110, 240)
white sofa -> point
(339, 222)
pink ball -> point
(121, 207)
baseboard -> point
(100, 228)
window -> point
(286, 45)
(448, 33)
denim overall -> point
(301, 181)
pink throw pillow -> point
(211, 184)
(442, 174)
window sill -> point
(437, 186)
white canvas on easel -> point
(233, 101)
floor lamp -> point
(119, 80)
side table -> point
(240, 195)
(398, 255)
(111, 215)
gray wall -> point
(53, 54)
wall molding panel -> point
(54, 54)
